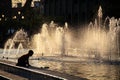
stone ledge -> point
(28, 73)
(8, 76)
(61, 76)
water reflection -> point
(92, 71)
(86, 69)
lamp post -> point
(19, 17)
(19, 12)
(14, 17)
(3, 15)
(23, 17)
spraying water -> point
(14, 45)
(100, 39)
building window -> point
(15, 3)
(36, 4)
(18, 3)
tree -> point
(27, 5)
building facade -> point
(17, 5)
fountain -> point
(99, 40)
(51, 40)
(17, 44)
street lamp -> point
(14, 17)
(3, 15)
(19, 12)
(23, 17)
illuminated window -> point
(36, 4)
(20, 3)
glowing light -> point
(19, 12)
(3, 15)
(23, 17)
(14, 17)
(15, 3)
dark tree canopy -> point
(27, 5)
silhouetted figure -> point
(24, 60)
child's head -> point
(30, 52)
